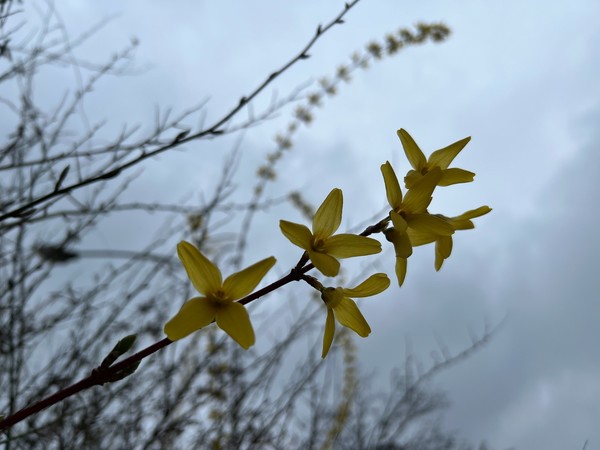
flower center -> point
(401, 213)
(219, 296)
(332, 296)
(317, 244)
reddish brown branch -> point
(97, 377)
(100, 376)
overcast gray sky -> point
(521, 78)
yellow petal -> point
(439, 261)
(429, 224)
(418, 198)
(402, 244)
(444, 156)
(297, 234)
(455, 176)
(329, 332)
(329, 215)
(443, 248)
(348, 314)
(401, 264)
(196, 313)
(415, 156)
(398, 221)
(240, 284)
(392, 187)
(204, 275)
(373, 285)
(349, 245)
(477, 212)
(412, 176)
(464, 224)
(327, 265)
(234, 320)
(418, 237)
(463, 221)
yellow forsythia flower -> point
(410, 213)
(218, 301)
(440, 158)
(321, 245)
(344, 309)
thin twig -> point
(214, 130)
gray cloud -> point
(520, 78)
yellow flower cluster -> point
(323, 248)
(408, 224)
(412, 224)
